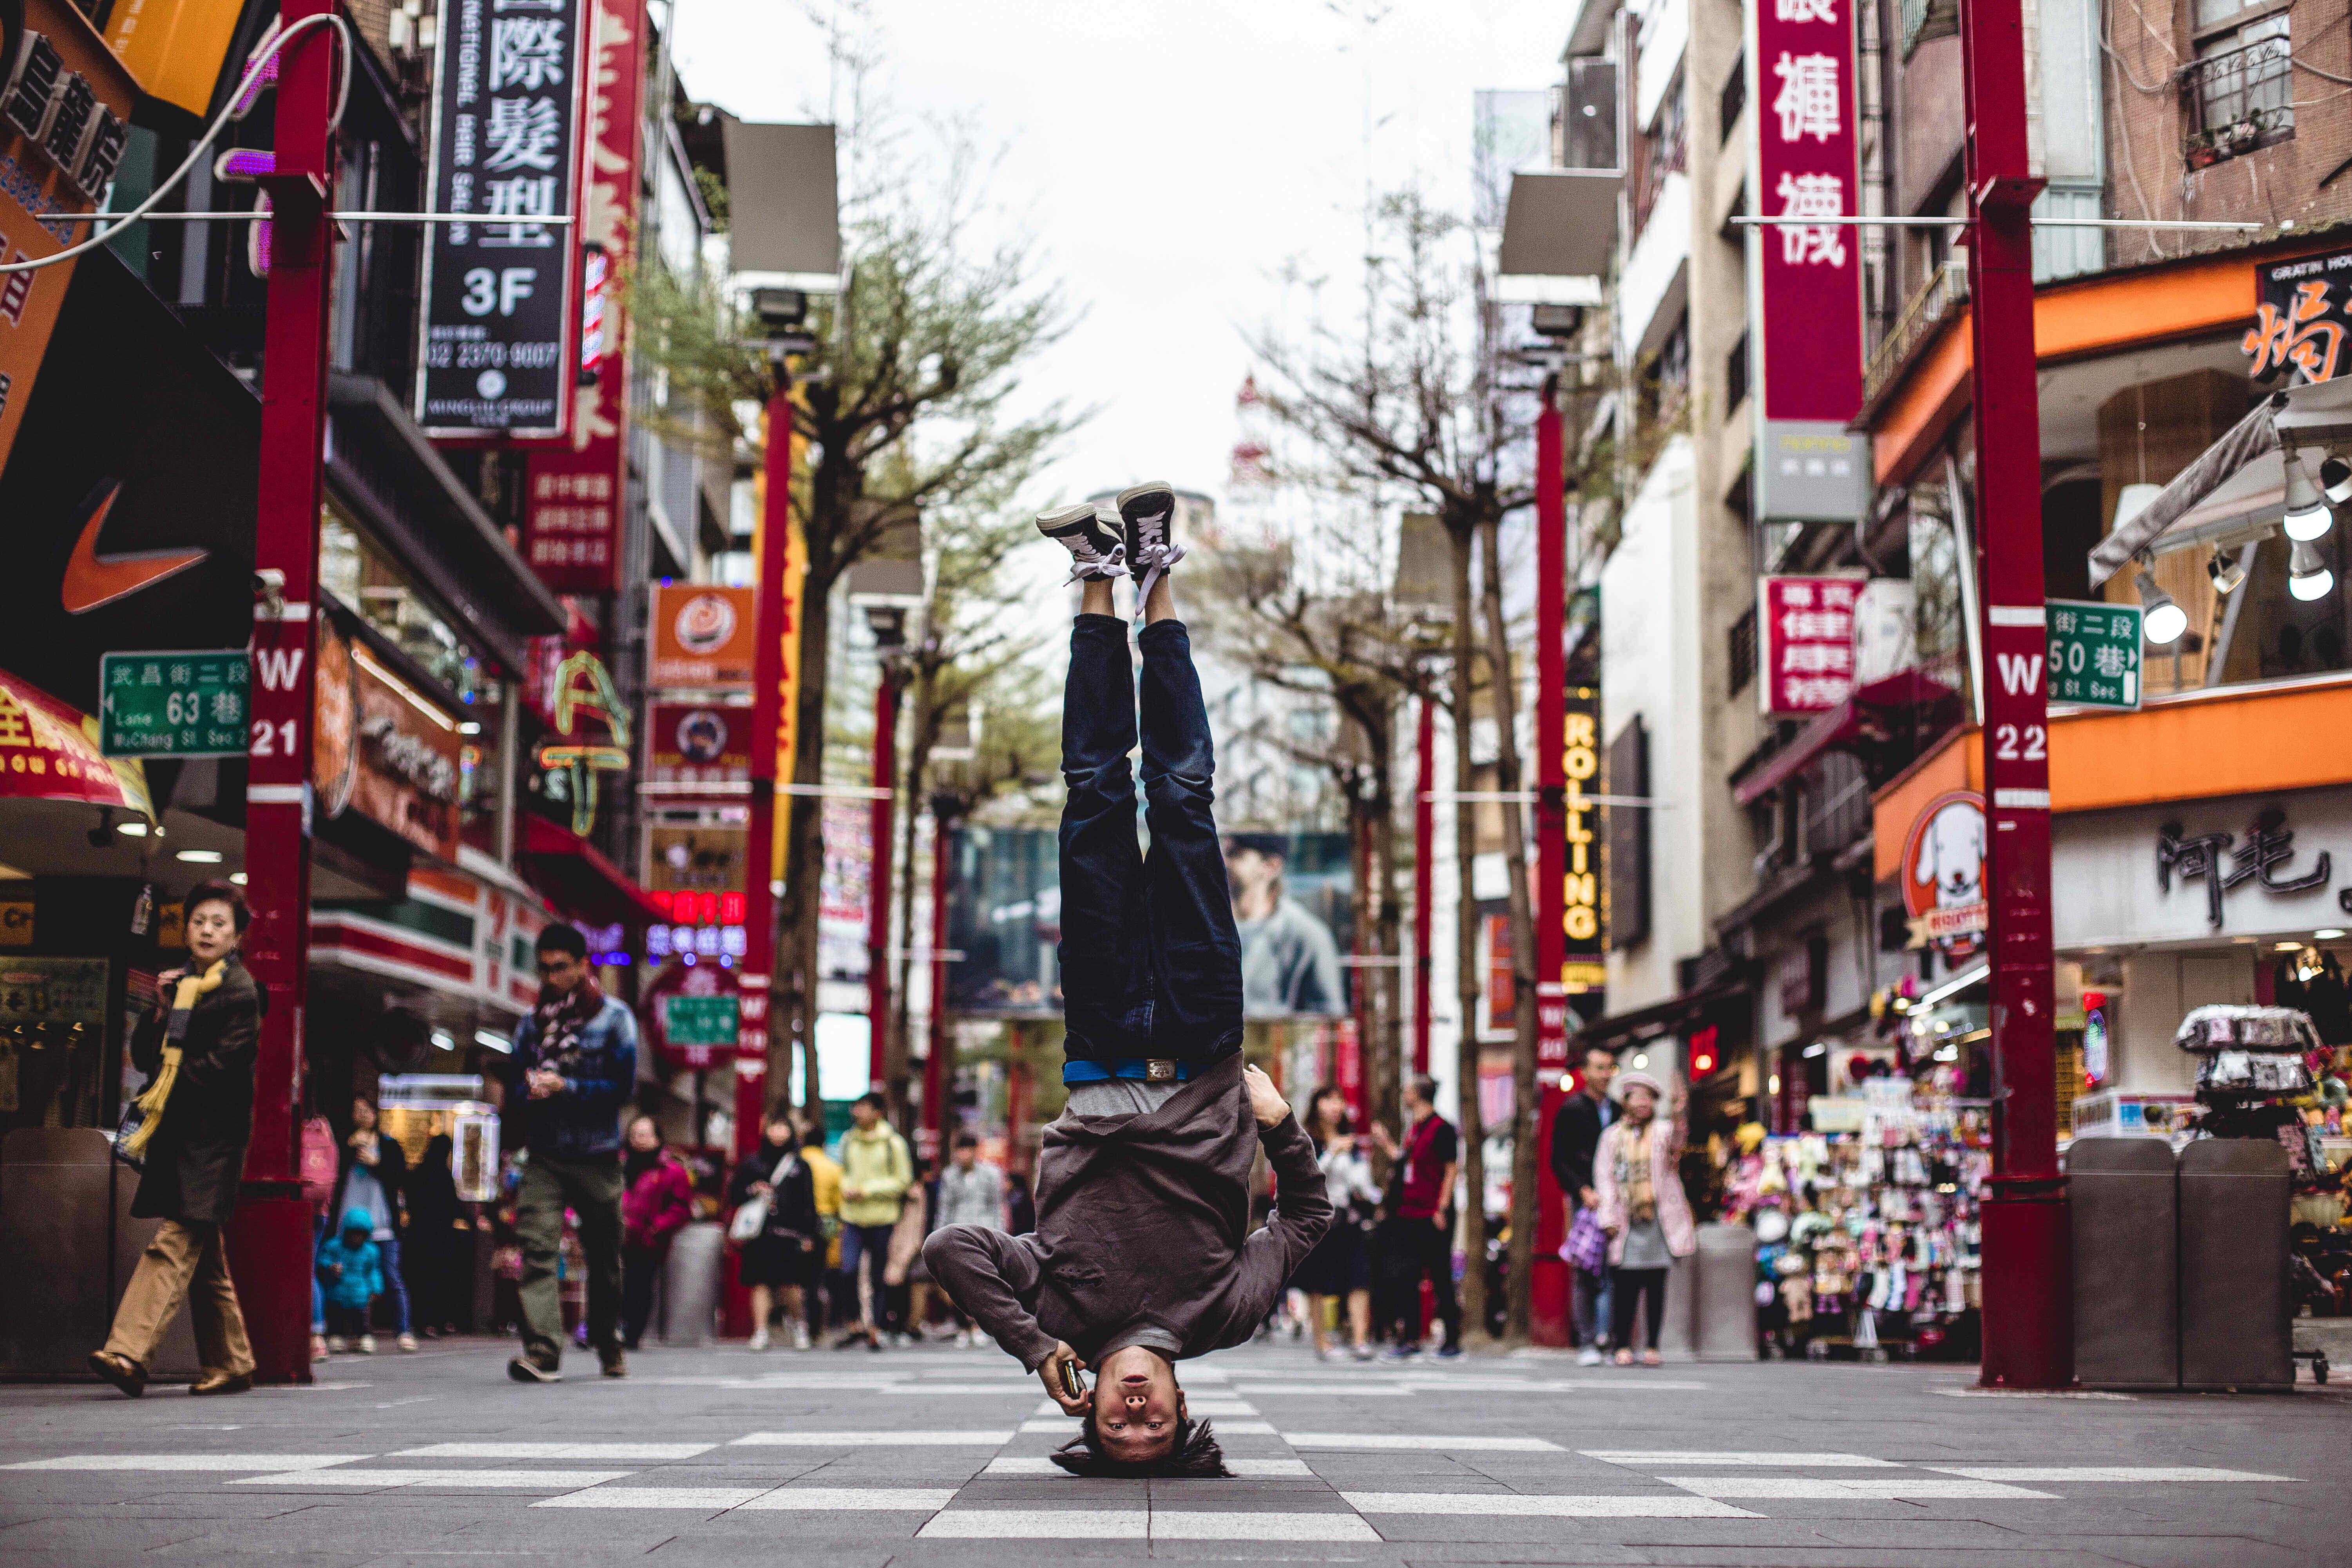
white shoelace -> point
(1110, 566)
(1155, 559)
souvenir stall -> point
(1866, 1224)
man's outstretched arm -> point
(1302, 1212)
(987, 1273)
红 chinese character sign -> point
(2302, 310)
(497, 317)
(2095, 649)
(1805, 642)
(1811, 274)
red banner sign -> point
(1811, 274)
(1805, 642)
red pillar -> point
(2028, 1318)
(1548, 1277)
(1424, 842)
(269, 1241)
(771, 552)
(878, 881)
(938, 1069)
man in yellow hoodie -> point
(877, 1169)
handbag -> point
(750, 1220)
(320, 1161)
(133, 1119)
(1587, 1246)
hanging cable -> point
(228, 111)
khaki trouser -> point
(589, 1186)
(184, 1262)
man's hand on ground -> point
(1265, 1101)
(1049, 1371)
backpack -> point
(319, 1161)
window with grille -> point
(2241, 88)
(1743, 652)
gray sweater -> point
(1142, 1233)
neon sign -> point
(584, 691)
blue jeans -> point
(1593, 1306)
(869, 1245)
(1150, 963)
(395, 1282)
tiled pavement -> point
(939, 1457)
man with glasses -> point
(573, 1067)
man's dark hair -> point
(219, 892)
(1426, 1088)
(1273, 845)
(561, 938)
(1195, 1456)
(966, 1140)
(876, 1101)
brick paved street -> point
(938, 1457)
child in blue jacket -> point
(350, 1267)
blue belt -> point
(1154, 1069)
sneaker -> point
(800, 1336)
(963, 1339)
(1448, 1353)
(1589, 1356)
(367, 1344)
(900, 1341)
(318, 1347)
(612, 1362)
(1095, 548)
(531, 1367)
(1148, 515)
(759, 1339)
(1401, 1353)
(407, 1341)
(1362, 1352)
(337, 1344)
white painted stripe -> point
(704, 1500)
(1520, 1505)
(519, 1480)
(1627, 1382)
(1011, 1390)
(1035, 1523)
(1172, 1524)
(1839, 1486)
(2022, 799)
(1031, 1465)
(852, 1500)
(2150, 1473)
(1053, 1426)
(2016, 614)
(189, 1462)
(556, 1451)
(1431, 1445)
(293, 610)
(937, 1440)
(1653, 1456)
(273, 795)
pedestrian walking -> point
(573, 1066)
(1642, 1207)
(1144, 1254)
(784, 1258)
(876, 1168)
(437, 1286)
(351, 1269)
(1417, 1243)
(971, 1192)
(198, 1050)
(1339, 1270)
(822, 1287)
(908, 1280)
(372, 1174)
(1576, 1130)
(657, 1202)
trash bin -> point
(1724, 1291)
(2237, 1310)
(2124, 1209)
(689, 1304)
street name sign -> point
(2095, 653)
(189, 704)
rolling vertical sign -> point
(499, 323)
(1807, 277)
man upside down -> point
(1142, 1254)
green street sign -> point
(2095, 653)
(192, 704)
(701, 1020)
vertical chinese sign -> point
(1804, 643)
(498, 325)
(1807, 278)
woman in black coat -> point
(199, 1052)
(784, 1255)
(431, 1250)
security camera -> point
(269, 581)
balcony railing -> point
(1941, 294)
(2238, 101)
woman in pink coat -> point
(1644, 1209)
(657, 1202)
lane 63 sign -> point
(498, 315)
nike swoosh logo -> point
(93, 580)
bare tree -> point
(1414, 395)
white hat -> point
(1629, 1082)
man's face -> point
(1249, 871)
(964, 1158)
(561, 972)
(1415, 1108)
(1137, 1405)
(864, 1115)
(1600, 1066)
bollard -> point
(2237, 1325)
(1677, 1336)
(689, 1304)
(1724, 1293)
(2126, 1246)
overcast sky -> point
(1173, 157)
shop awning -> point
(1670, 1015)
(49, 752)
(1862, 720)
(1561, 224)
(579, 879)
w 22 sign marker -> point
(2095, 653)
(497, 313)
